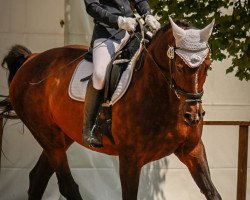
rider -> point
(113, 20)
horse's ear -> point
(206, 32)
(178, 32)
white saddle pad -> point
(77, 89)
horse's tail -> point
(17, 55)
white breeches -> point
(102, 55)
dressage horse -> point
(160, 114)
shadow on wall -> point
(153, 180)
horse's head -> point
(182, 54)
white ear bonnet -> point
(192, 45)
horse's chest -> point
(188, 134)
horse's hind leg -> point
(50, 161)
(67, 186)
(39, 177)
(196, 162)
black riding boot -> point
(93, 100)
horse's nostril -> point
(187, 116)
(192, 119)
(203, 113)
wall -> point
(32, 23)
(35, 24)
(79, 24)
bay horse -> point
(160, 114)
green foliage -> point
(231, 33)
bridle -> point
(189, 97)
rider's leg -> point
(92, 102)
(102, 54)
(101, 57)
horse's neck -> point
(156, 85)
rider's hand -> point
(127, 23)
(152, 22)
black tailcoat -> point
(106, 13)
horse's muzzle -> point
(193, 113)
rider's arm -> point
(95, 10)
(142, 7)
(144, 10)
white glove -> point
(152, 22)
(127, 23)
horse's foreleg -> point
(196, 162)
(129, 176)
(39, 177)
(67, 186)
